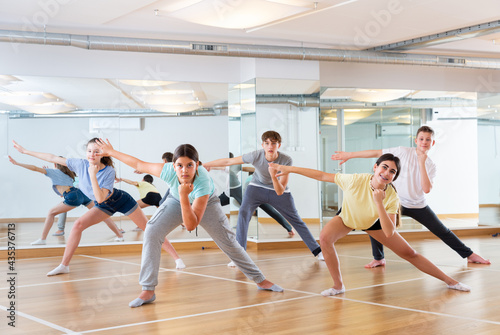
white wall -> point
(28, 194)
(489, 164)
(455, 188)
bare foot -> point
(375, 263)
(475, 258)
(291, 233)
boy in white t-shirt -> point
(415, 180)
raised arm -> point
(310, 173)
(425, 181)
(223, 162)
(344, 156)
(387, 221)
(279, 185)
(191, 214)
(135, 163)
(28, 166)
(41, 155)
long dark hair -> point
(395, 159)
(186, 150)
(104, 160)
(66, 170)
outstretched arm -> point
(223, 162)
(28, 166)
(135, 163)
(344, 156)
(41, 155)
(131, 182)
(310, 173)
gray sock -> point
(139, 302)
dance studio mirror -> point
(139, 117)
(220, 118)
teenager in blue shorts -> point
(62, 183)
(96, 179)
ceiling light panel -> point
(237, 14)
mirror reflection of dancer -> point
(368, 198)
(148, 194)
(266, 188)
(96, 180)
(415, 181)
(62, 184)
(191, 200)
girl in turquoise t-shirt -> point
(191, 200)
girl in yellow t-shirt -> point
(370, 204)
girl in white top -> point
(366, 199)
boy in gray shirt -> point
(266, 188)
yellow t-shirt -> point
(144, 188)
(358, 208)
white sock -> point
(231, 264)
(59, 270)
(179, 264)
(39, 242)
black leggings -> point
(236, 193)
(430, 220)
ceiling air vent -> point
(448, 60)
(209, 47)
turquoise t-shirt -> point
(202, 185)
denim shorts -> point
(119, 201)
(74, 197)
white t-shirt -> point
(408, 183)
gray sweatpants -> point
(168, 216)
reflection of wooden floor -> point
(210, 298)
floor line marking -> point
(44, 322)
(460, 317)
(193, 315)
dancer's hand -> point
(13, 161)
(93, 169)
(341, 156)
(422, 156)
(105, 147)
(185, 189)
(273, 171)
(378, 196)
(18, 147)
(281, 170)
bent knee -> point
(326, 239)
(408, 254)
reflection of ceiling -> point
(40, 94)
(373, 109)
